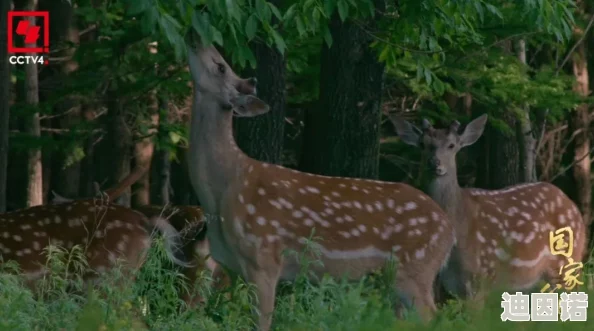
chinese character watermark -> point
(544, 307)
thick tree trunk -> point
(162, 163)
(262, 137)
(579, 122)
(341, 136)
(143, 156)
(34, 165)
(504, 156)
(117, 146)
(4, 103)
(526, 140)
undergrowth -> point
(117, 302)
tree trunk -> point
(262, 137)
(162, 163)
(526, 140)
(579, 122)
(117, 146)
(143, 155)
(4, 103)
(34, 165)
(341, 136)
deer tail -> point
(172, 240)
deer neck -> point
(215, 161)
(446, 191)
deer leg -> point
(414, 294)
(265, 281)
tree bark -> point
(117, 146)
(341, 136)
(162, 163)
(4, 103)
(34, 165)
(262, 137)
(143, 155)
(526, 140)
(579, 122)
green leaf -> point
(275, 11)
(327, 36)
(493, 10)
(290, 13)
(136, 7)
(343, 10)
(202, 27)
(300, 26)
(251, 27)
(260, 9)
(217, 36)
(329, 6)
(279, 41)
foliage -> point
(118, 303)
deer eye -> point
(221, 67)
(451, 146)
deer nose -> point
(253, 81)
(434, 162)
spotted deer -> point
(257, 210)
(189, 222)
(106, 232)
(502, 235)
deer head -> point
(442, 145)
(214, 78)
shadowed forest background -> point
(117, 92)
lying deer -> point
(502, 235)
(107, 232)
(257, 210)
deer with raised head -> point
(106, 232)
(256, 210)
(502, 235)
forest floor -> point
(116, 303)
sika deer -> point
(256, 210)
(105, 231)
(502, 235)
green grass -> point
(118, 303)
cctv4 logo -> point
(34, 51)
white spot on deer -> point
(410, 206)
(251, 209)
(362, 228)
(390, 203)
(19, 253)
(422, 197)
(36, 245)
(46, 221)
(369, 208)
(399, 210)
(347, 204)
(366, 191)
(336, 205)
(480, 237)
(526, 215)
(336, 194)
(261, 220)
(379, 206)
(561, 219)
(342, 185)
(297, 214)
(420, 254)
(312, 189)
(398, 227)
(412, 221)
(434, 238)
(274, 223)
(375, 230)
(355, 232)
(325, 224)
(339, 220)
(348, 218)
(25, 227)
(308, 222)
(265, 165)
(344, 234)
(17, 238)
(501, 254)
(329, 211)
(529, 238)
(435, 216)
(357, 204)
(355, 188)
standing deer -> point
(502, 235)
(106, 232)
(256, 210)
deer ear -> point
(407, 132)
(473, 131)
(247, 105)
